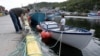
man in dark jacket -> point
(15, 13)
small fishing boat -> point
(73, 36)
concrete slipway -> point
(8, 38)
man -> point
(15, 13)
(62, 23)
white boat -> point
(73, 36)
(94, 13)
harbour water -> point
(93, 49)
(66, 50)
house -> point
(3, 11)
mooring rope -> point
(60, 44)
(57, 41)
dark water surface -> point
(66, 50)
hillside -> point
(71, 5)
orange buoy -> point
(45, 34)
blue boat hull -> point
(37, 17)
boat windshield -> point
(52, 26)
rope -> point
(57, 41)
(60, 38)
(45, 52)
(60, 44)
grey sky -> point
(8, 4)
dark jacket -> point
(17, 11)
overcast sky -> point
(8, 4)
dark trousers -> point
(62, 28)
(15, 21)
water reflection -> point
(92, 49)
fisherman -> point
(15, 13)
(62, 23)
